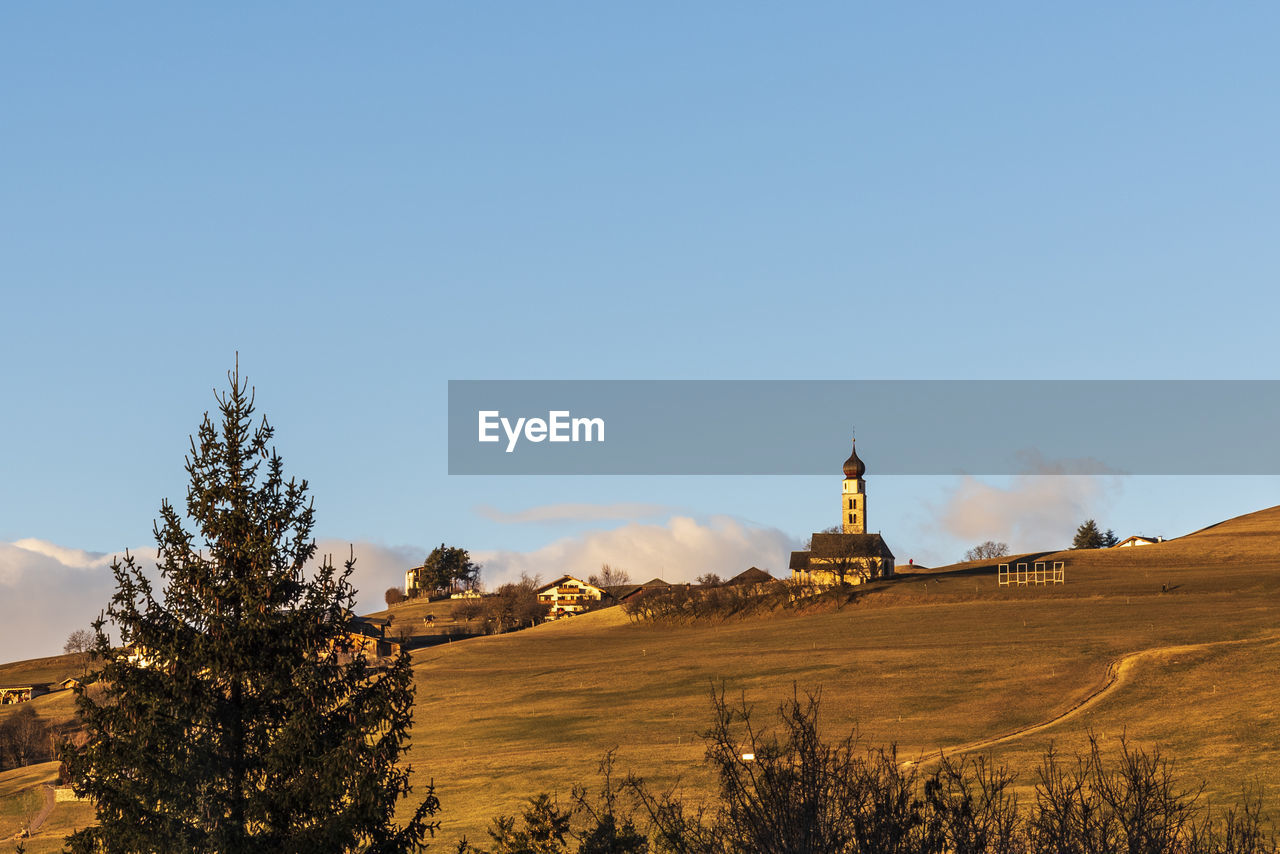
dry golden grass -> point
(56, 707)
(22, 797)
(54, 668)
(412, 613)
(413, 610)
(935, 660)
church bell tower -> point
(853, 498)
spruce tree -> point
(1088, 536)
(234, 716)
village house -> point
(623, 592)
(368, 640)
(140, 656)
(567, 596)
(752, 577)
(850, 556)
(1137, 540)
(415, 582)
(21, 693)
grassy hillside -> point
(58, 706)
(937, 659)
(1171, 643)
(22, 796)
(411, 615)
(40, 670)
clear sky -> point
(368, 202)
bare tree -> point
(853, 562)
(467, 609)
(513, 606)
(394, 596)
(610, 576)
(986, 551)
(78, 642)
(24, 737)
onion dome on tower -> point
(854, 468)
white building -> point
(1137, 540)
(567, 596)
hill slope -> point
(935, 660)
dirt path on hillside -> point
(40, 816)
(1118, 672)
(44, 812)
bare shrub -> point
(467, 609)
(784, 788)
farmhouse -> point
(1137, 540)
(625, 592)
(567, 596)
(21, 693)
(367, 639)
(750, 578)
(850, 556)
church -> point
(851, 556)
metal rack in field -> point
(1039, 573)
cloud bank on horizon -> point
(681, 549)
(1034, 511)
(48, 590)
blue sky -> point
(367, 203)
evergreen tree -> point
(236, 717)
(1089, 536)
(449, 568)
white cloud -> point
(679, 550)
(48, 591)
(77, 558)
(574, 513)
(1033, 513)
(377, 567)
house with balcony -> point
(567, 596)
